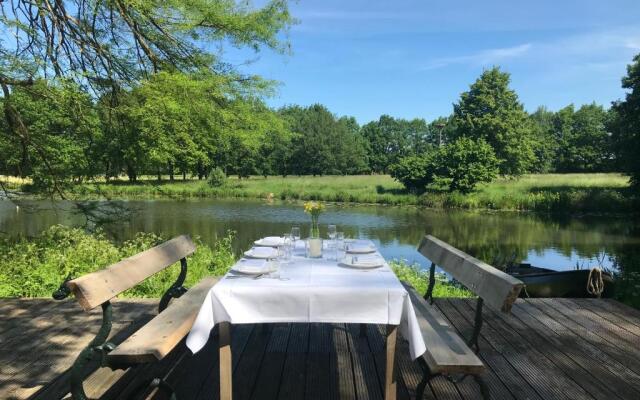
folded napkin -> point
(252, 266)
(262, 252)
(367, 260)
(272, 240)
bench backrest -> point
(498, 289)
(93, 289)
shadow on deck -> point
(548, 349)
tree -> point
(545, 141)
(585, 144)
(109, 46)
(490, 110)
(626, 126)
(456, 166)
(323, 144)
(415, 172)
(391, 139)
(463, 163)
(64, 124)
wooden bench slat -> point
(498, 289)
(159, 336)
(93, 289)
(446, 351)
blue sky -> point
(413, 58)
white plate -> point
(253, 266)
(270, 241)
(368, 263)
(356, 248)
(261, 252)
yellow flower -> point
(312, 207)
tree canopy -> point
(626, 124)
(490, 110)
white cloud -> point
(482, 58)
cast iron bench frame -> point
(100, 287)
(493, 287)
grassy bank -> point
(36, 267)
(541, 192)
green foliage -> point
(391, 139)
(414, 172)
(323, 144)
(217, 177)
(63, 121)
(626, 124)
(490, 110)
(457, 166)
(464, 163)
(36, 267)
(163, 96)
(545, 142)
(419, 279)
(583, 140)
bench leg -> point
(390, 379)
(96, 350)
(426, 377)
(226, 375)
(484, 389)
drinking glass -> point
(285, 250)
(295, 232)
(331, 231)
(295, 236)
(340, 249)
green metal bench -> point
(448, 354)
(155, 339)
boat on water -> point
(543, 282)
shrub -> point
(464, 163)
(36, 267)
(217, 177)
(457, 166)
(414, 172)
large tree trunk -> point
(171, 177)
(132, 174)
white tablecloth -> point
(317, 290)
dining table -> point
(330, 289)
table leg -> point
(226, 375)
(390, 376)
(363, 330)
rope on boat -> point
(595, 283)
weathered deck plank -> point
(548, 349)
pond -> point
(559, 243)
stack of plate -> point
(270, 241)
(368, 261)
(261, 252)
(253, 266)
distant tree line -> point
(186, 124)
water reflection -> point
(559, 243)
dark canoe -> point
(543, 282)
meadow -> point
(592, 192)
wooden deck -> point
(548, 349)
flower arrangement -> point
(314, 209)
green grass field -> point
(541, 192)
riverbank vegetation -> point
(37, 266)
(604, 192)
